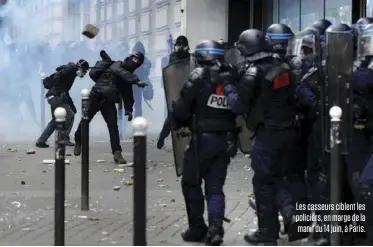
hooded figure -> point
(143, 73)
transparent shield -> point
(365, 46)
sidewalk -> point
(27, 199)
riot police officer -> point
(266, 95)
(278, 36)
(358, 29)
(111, 82)
(360, 156)
(202, 99)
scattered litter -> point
(172, 200)
(251, 195)
(82, 216)
(31, 151)
(68, 154)
(23, 182)
(13, 150)
(163, 205)
(162, 185)
(119, 170)
(104, 233)
(127, 182)
(130, 164)
(160, 179)
(26, 229)
(51, 162)
(116, 188)
(162, 241)
(93, 218)
(100, 161)
(17, 204)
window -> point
(120, 8)
(102, 14)
(93, 15)
(119, 32)
(369, 11)
(161, 17)
(161, 41)
(132, 26)
(56, 10)
(57, 26)
(145, 22)
(144, 4)
(338, 11)
(109, 32)
(289, 13)
(132, 5)
(109, 12)
(311, 11)
(177, 13)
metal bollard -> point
(121, 120)
(59, 178)
(335, 170)
(140, 129)
(42, 102)
(85, 152)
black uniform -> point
(210, 150)
(110, 85)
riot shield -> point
(339, 62)
(174, 77)
(232, 56)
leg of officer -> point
(214, 183)
(263, 161)
(193, 196)
(110, 115)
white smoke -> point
(26, 51)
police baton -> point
(335, 170)
(59, 178)
(140, 129)
(85, 152)
(42, 102)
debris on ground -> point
(23, 182)
(13, 150)
(100, 161)
(116, 188)
(31, 151)
(119, 170)
(127, 182)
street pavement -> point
(27, 198)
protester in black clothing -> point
(59, 85)
(113, 81)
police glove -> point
(141, 84)
(130, 116)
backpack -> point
(49, 81)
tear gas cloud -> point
(26, 51)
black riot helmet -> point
(365, 43)
(251, 41)
(208, 52)
(134, 61)
(278, 36)
(361, 24)
(322, 24)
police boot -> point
(259, 237)
(366, 197)
(291, 225)
(118, 158)
(77, 148)
(215, 232)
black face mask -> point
(131, 65)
